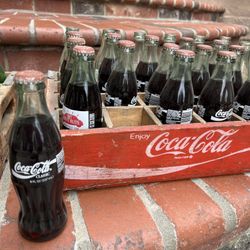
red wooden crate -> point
(136, 148)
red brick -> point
(198, 220)
(47, 32)
(61, 6)
(117, 219)
(235, 189)
(201, 16)
(20, 4)
(10, 237)
(130, 11)
(2, 58)
(37, 59)
(15, 31)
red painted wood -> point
(111, 157)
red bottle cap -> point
(152, 38)
(74, 33)
(76, 41)
(116, 36)
(186, 39)
(29, 76)
(84, 50)
(219, 42)
(237, 48)
(171, 46)
(227, 54)
(126, 44)
(185, 53)
(204, 47)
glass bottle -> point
(219, 45)
(66, 73)
(237, 76)
(169, 38)
(121, 85)
(148, 63)
(2, 75)
(82, 108)
(139, 38)
(161, 74)
(36, 161)
(198, 39)
(246, 58)
(200, 69)
(109, 59)
(227, 41)
(186, 43)
(216, 99)
(101, 53)
(177, 97)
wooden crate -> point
(134, 147)
(7, 113)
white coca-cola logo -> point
(221, 115)
(211, 141)
(27, 172)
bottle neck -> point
(125, 61)
(181, 71)
(237, 65)
(150, 54)
(31, 100)
(110, 51)
(83, 71)
(70, 59)
(201, 62)
(166, 62)
(223, 71)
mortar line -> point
(228, 211)
(164, 225)
(4, 20)
(83, 241)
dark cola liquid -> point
(121, 89)
(237, 81)
(62, 68)
(155, 86)
(35, 140)
(211, 68)
(65, 77)
(104, 73)
(85, 98)
(216, 101)
(176, 102)
(199, 80)
(144, 71)
(242, 101)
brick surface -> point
(21, 4)
(236, 190)
(62, 6)
(10, 238)
(117, 219)
(198, 220)
(88, 7)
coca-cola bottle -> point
(148, 63)
(36, 161)
(82, 108)
(237, 76)
(216, 100)
(66, 74)
(110, 57)
(169, 38)
(219, 45)
(198, 39)
(139, 38)
(121, 85)
(64, 54)
(246, 58)
(101, 53)
(186, 43)
(200, 69)
(177, 97)
(161, 74)
(227, 41)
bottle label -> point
(152, 99)
(243, 111)
(116, 101)
(75, 119)
(41, 171)
(142, 86)
(171, 116)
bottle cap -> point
(28, 77)
(169, 38)
(204, 47)
(151, 39)
(186, 39)
(106, 31)
(198, 39)
(126, 44)
(219, 42)
(68, 29)
(185, 55)
(228, 56)
(171, 46)
(76, 41)
(84, 50)
(237, 48)
(113, 37)
(226, 38)
(140, 35)
(74, 33)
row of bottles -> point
(175, 80)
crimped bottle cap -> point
(237, 48)
(76, 41)
(74, 33)
(126, 44)
(83, 50)
(185, 53)
(151, 39)
(227, 56)
(171, 46)
(113, 37)
(186, 39)
(204, 47)
(29, 77)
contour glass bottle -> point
(139, 38)
(169, 38)
(186, 43)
